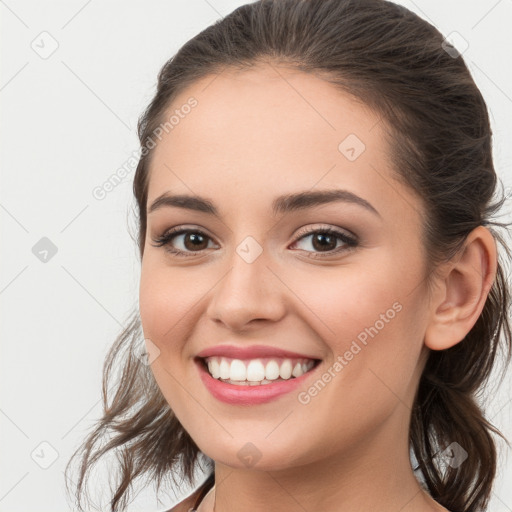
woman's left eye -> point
(192, 239)
(326, 241)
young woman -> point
(321, 294)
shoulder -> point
(187, 504)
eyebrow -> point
(282, 204)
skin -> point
(255, 135)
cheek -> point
(371, 319)
(167, 303)
(348, 300)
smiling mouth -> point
(256, 371)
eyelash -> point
(166, 238)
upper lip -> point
(251, 352)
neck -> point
(373, 476)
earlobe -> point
(461, 293)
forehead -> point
(272, 106)
(270, 128)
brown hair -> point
(440, 138)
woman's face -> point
(271, 277)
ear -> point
(462, 291)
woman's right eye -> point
(195, 241)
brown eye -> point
(326, 241)
(192, 241)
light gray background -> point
(68, 122)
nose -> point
(248, 292)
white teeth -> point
(285, 371)
(272, 370)
(237, 370)
(297, 371)
(213, 368)
(224, 369)
(257, 371)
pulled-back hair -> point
(437, 126)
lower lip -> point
(249, 395)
